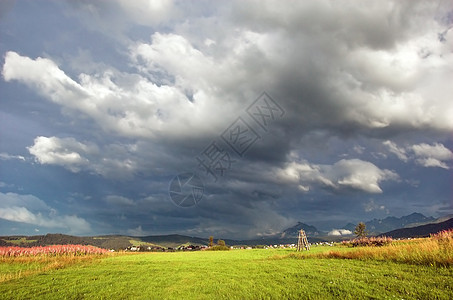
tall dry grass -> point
(29, 261)
(436, 250)
(42, 263)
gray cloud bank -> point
(365, 88)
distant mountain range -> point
(293, 232)
(377, 226)
(420, 231)
(374, 227)
(413, 225)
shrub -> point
(218, 248)
(370, 242)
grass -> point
(18, 262)
(236, 274)
(20, 241)
(434, 251)
(18, 267)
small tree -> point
(360, 230)
(221, 243)
(211, 241)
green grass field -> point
(238, 274)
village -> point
(302, 244)
(205, 247)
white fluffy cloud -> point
(113, 161)
(435, 155)
(18, 214)
(432, 155)
(339, 232)
(6, 156)
(398, 151)
(124, 104)
(357, 174)
(32, 210)
(66, 152)
(352, 174)
(437, 151)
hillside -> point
(420, 231)
(118, 242)
(107, 242)
(377, 226)
(288, 236)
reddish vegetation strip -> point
(50, 250)
(443, 235)
(372, 241)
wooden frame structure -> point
(302, 242)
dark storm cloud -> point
(363, 87)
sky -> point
(235, 119)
